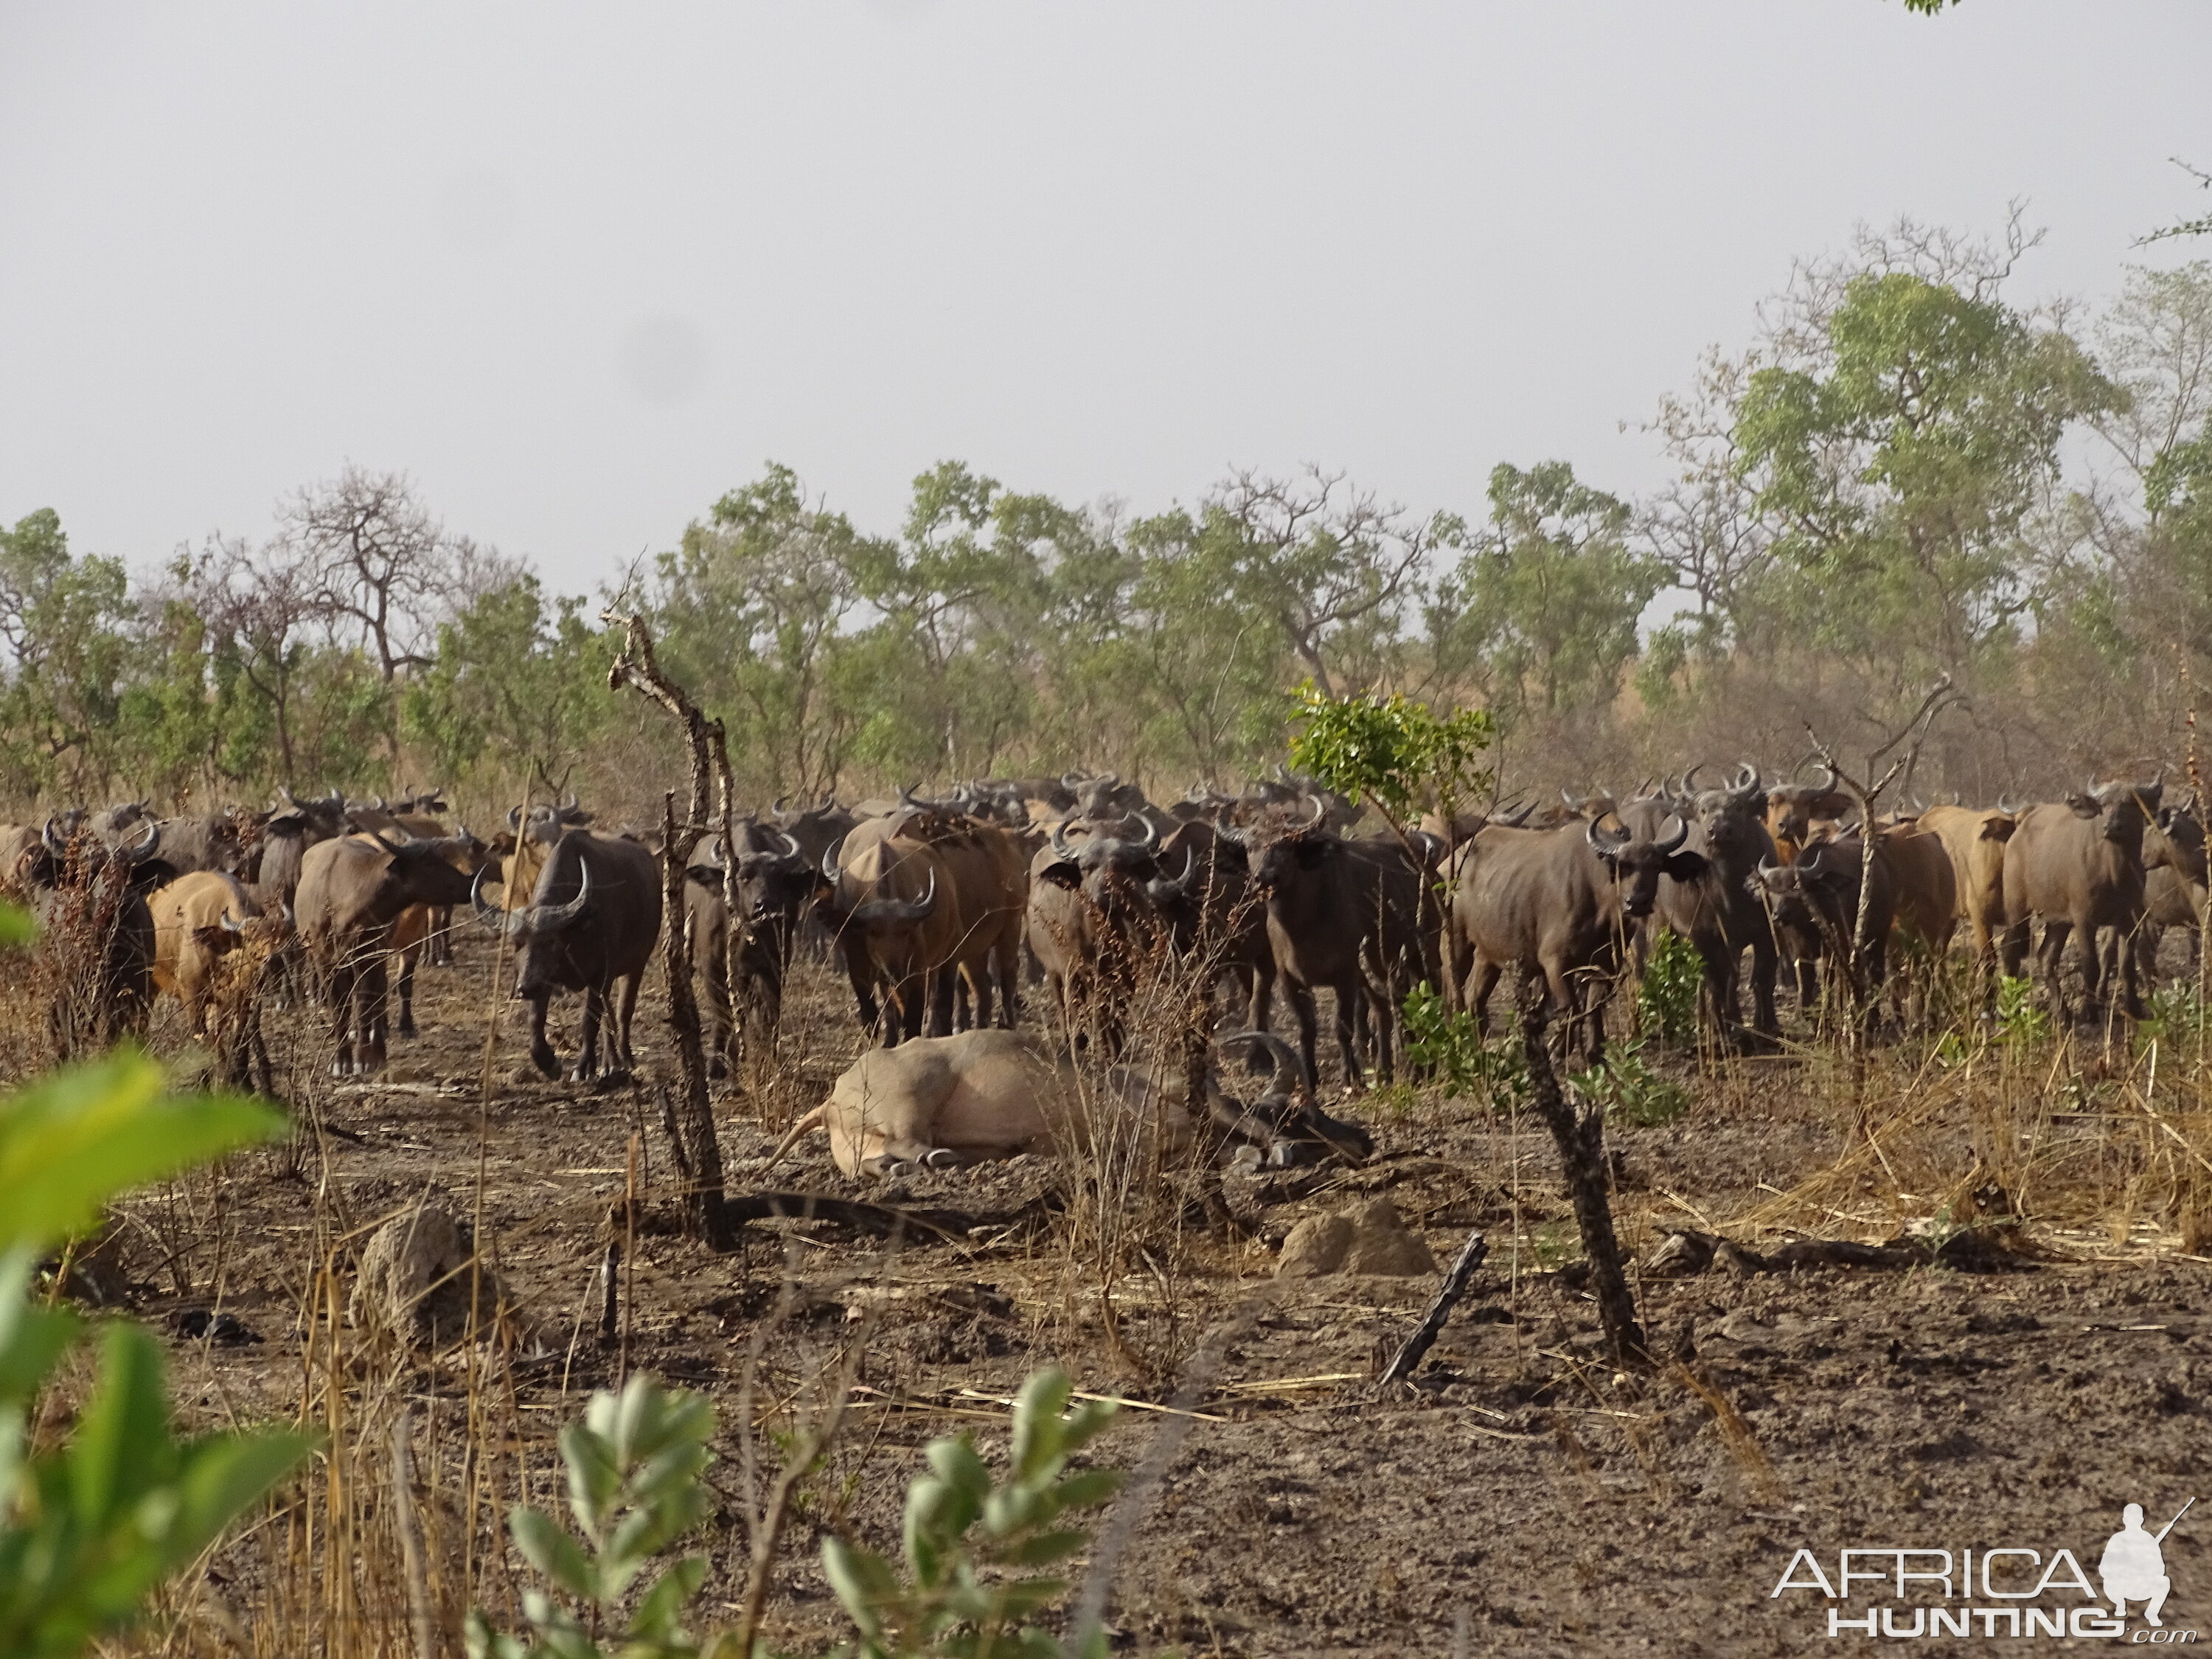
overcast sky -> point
(579, 269)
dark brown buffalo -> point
(1716, 911)
(590, 926)
(773, 882)
(352, 892)
(1345, 915)
(91, 895)
(1813, 906)
(1220, 919)
(1097, 909)
(1564, 902)
(2077, 867)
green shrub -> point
(1625, 1084)
(1667, 996)
(91, 1525)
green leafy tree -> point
(1901, 465)
(65, 623)
(517, 682)
(1542, 611)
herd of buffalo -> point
(943, 912)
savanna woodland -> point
(935, 1087)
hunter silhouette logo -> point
(2133, 1566)
(1991, 1589)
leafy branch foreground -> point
(969, 1577)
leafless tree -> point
(380, 562)
(267, 602)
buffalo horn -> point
(1602, 839)
(1668, 844)
(56, 843)
(230, 923)
(1152, 836)
(142, 849)
(1573, 802)
(487, 913)
(1518, 818)
(791, 849)
(514, 819)
(1060, 837)
(892, 909)
(1747, 776)
(551, 918)
(1320, 811)
(1161, 891)
(830, 870)
(1690, 779)
(2007, 806)
(1290, 1073)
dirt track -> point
(1519, 1490)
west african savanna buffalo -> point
(590, 926)
(1974, 840)
(352, 892)
(2077, 865)
(1563, 903)
(198, 919)
(1813, 904)
(1097, 908)
(1716, 911)
(2173, 880)
(773, 882)
(916, 898)
(89, 896)
(1347, 915)
(1793, 809)
(942, 1101)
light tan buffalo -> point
(942, 1101)
(1974, 840)
(198, 919)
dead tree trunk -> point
(691, 1116)
(1579, 1133)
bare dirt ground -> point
(1519, 1499)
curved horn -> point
(1601, 839)
(551, 918)
(487, 913)
(55, 841)
(2006, 805)
(1320, 811)
(1668, 844)
(1747, 776)
(138, 851)
(1284, 1057)
(1690, 779)
(791, 849)
(571, 804)
(1070, 778)
(229, 924)
(776, 807)
(1151, 838)
(1518, 818)
(895, 911)
(1162, 890)
(514, 819)
(1831, 783)
(1060, 837)
(1573, 801)
(831, 868)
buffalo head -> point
(1636, 864)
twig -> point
(410, 1536)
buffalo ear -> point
(1686, 866)
(1313, 851)
(1999, 828)
(2084, 806)
(1065, 874)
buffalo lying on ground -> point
(942, 1101)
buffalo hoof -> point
(615, 1078)
(407, 1028)
(718, 1069)
(547, 1061)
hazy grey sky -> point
(580, 269)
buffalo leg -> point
(407, 992)
(341, 999)
(1006, 961)
(1764, 961)
(722, 1016)
(371, 993)
(975, 978)
(1350, 1001)
(2050, 962)
(625, 1010)
(541, 1051)
(587, 1047)
(1301, 999)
